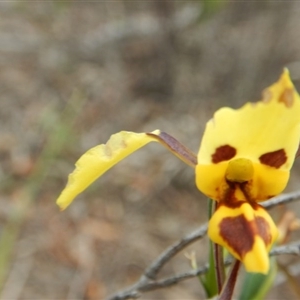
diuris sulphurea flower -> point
(245, 157)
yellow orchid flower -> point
(244, 158)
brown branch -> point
(148, 281)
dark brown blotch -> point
(274, 159)
(223, 153)
(263, 230)
(239, 233)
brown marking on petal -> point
(229, 199)
(274, 159)
(232, 203)
(246, 188)
(223, 153)
(239, 233)
(287, 97)
(263, 230)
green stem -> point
(208, 280)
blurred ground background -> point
(71, 74)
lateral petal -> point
(99, 159)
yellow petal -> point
(247, 232)
(267, 133)
(99, 159)
(257, 260)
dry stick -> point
(152, 271)
(147, 281)
(292, 248)
(282, 199)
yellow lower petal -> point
(247, 232)
(257, 260)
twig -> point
(292, 248)
(144, 285)
(174, 279)
(135, 290)
(152, 271)
(284, 198)
(148, 282)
